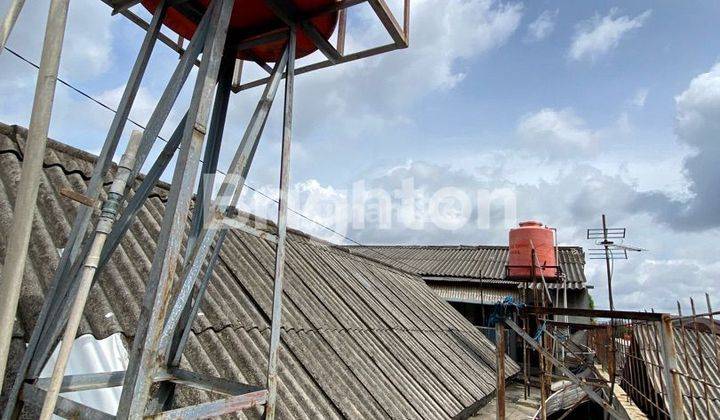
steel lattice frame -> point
(167, 316)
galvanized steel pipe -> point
(34, 153)
(9, 22)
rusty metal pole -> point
(500, 372)
(272, 379)
(671, 375)
(34, 154)
(145, 357)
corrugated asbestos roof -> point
(360, 339)
(467, 262)
(473, 294)
(701, 362)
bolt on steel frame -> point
(171, 304)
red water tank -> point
(523, 239)
(253, 17)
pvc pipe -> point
(104, 226)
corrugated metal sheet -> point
(473, 294)
(699, 362)
(360, 338)
(467, 262)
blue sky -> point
(575, 108)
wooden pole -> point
(670, 370)
(500, 375)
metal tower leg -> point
(272, 380)
(177, 326)
(19, 237)
(145, 356)
(165, 395)
(229, 191)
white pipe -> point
(34, 154)
(104, 226)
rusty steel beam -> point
(86, 381)
(144, 356)
(65, 407)
(327, 63)
(389, 22)
(593, 313)
(334, 7)
(205, 382)
(215, 408)
(276, 323)
(288, 13)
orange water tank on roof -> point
(252, 17)
(523, 239)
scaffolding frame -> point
(171, 303)
(600, 392)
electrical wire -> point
(87, 96)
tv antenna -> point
(612, 248)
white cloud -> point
(640, 98)
(87, 43)
(557, 130)
(698, 109)
(543, 26)
(598, 35)
(380, 90)
(143, 106)
(645, 283)
(697, 126)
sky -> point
(557, 111)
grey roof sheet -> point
(468, 262)
(360, 339)
(473, 294)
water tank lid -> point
(530, 223)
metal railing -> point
(638, 353)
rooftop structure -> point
(360, 339)
(476, 275)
